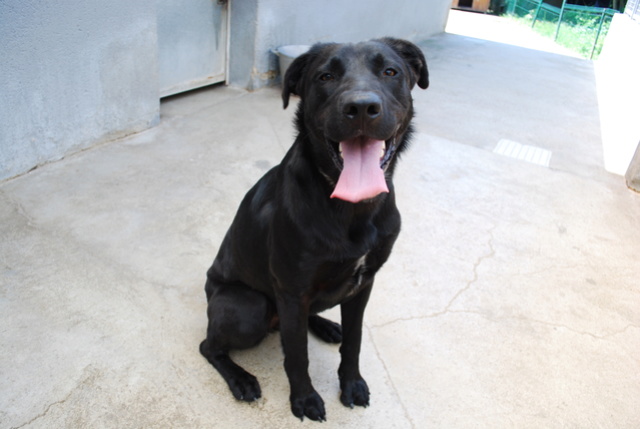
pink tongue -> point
(361, 177)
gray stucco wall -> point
(257, 26)
(73, 73)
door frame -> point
(209, 80)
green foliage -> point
(578, 29)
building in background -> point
(76, 73)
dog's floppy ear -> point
(414, 58)
(292, 81)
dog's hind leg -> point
(238, 319)
(325, 329)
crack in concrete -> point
(46, 411)
(41, 414)
(529, 319)
(89, 374)
(520, 318)
(551, 324)
(393, 385)
(482, 258)
(471, 282)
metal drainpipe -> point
(633, 172)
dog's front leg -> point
(354, 390)
(294, 314)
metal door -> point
(192, 44)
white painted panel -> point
(192, 44)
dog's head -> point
(355, 109)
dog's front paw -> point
(244, 386)
(354, 392)
(310, 405)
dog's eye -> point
(390, 72)
(325, 77)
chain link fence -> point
(581, 28)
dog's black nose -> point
(362, 105)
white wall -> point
(273, 23)
(617, 71)
(73, 73)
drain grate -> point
(532, 154)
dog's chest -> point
(358, 272)
(336, 282)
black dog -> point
(313, 232)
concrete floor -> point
(511, 300)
